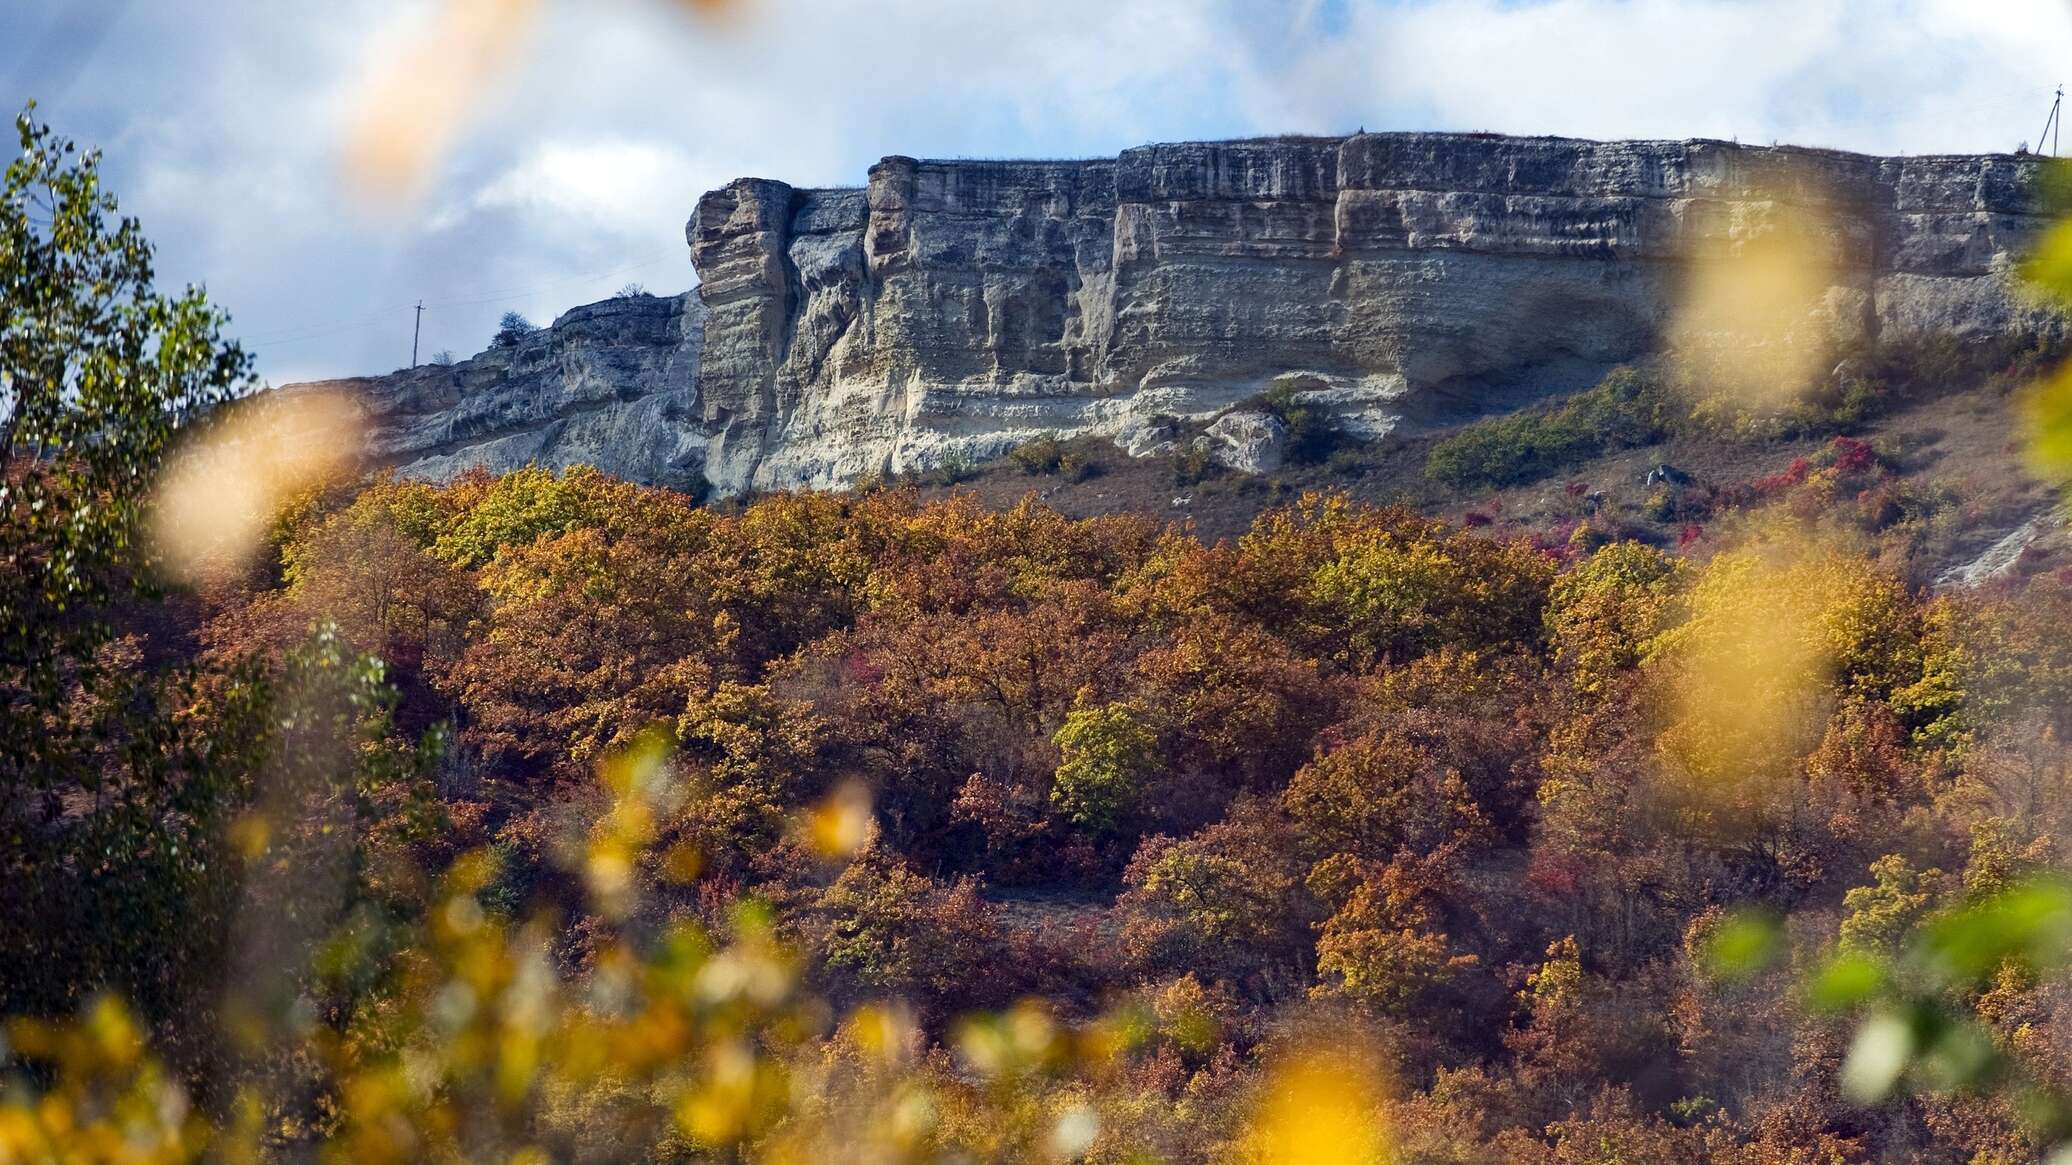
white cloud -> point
(617, 186)
(1869, 75)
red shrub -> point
(1779, 482)
(1852, 454)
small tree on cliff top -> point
(513, 328)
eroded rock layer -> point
(953, 309)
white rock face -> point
(1147, 436)
(611, 384)
(960, 308)
(1999, 558)
(1247, 441)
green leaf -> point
(1746, 944)
(1850, 979)
(2031, 922)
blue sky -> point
(223, 121)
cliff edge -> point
(956, 308)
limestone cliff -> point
(611, 384)
(954, 308)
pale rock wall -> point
(611, 384)
(955, 308)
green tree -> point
(1041, 454)
(114, 776)
(1227, 902)
(1628, 408)
(1313, 430)
(520, 507)
(1603, 613)
(1881, 916)
(900, 931)
(1388, 597)
(1108, 754)
(99, 373)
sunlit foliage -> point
(885, 768)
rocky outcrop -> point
(611, 384)
(957, 308)
(1247, 440)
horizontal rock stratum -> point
(956, 308)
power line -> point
(501, 298)
(313, 332)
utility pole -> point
(2052, 124)
(418, 328)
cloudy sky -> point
(225, 123)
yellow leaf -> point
(2047, 419)
(840, 826)
(1320, 1108)
(2049, 269)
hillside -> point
(1950, 481)
(1409, 648)
(1475, 814)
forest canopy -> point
(1485, 804)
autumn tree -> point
(1107, 755)
(1227, 903)
(589, 641)
(1603, 613)
(899, 932)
